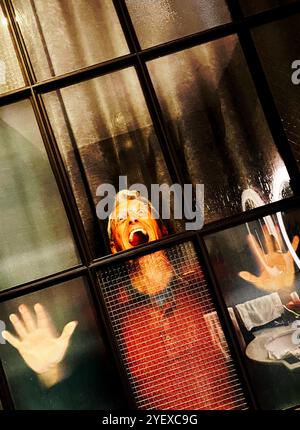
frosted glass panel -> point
(65, 35)
(35, 237)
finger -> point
(276, 244)
(249, 277)
(295, 242)
(68, 331)
(279, 238)
(18, 325)
(14, 341)
(27, 318)
(43, 320)
(268, 239)
(257, 251)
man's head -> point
(133, 222)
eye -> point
(121, 217)
(143, 211)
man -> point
(169, 350)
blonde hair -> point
(123, 195)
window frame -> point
(137, 58)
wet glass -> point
(104, 131)
(257, 268)
(159, 21)
(169, 334)
(10, 74)
(36, 238)
(217, 126)
(66, 35)
(54, 356)
(278, 45)
(254, 6)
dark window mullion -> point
(171, 159)
(21, 50)
(108, 336)
(138, 251)
(15, 96)
(225, 321)
(49, 141)
(235, 220)
(62, 179)
(105, 248)
(38, 284)
(90, 72)
(251, 215)
(266, 98)
(271, 15)
(42, 283)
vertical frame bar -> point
(225, 320)
(265, 96)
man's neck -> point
(153, 274)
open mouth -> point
(138, 237)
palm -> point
(38, 343)
(41, 350)
(276, 268)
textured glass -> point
(169, 333)
(278, 45)
(35, 237)
(42, 371)
(65, 35)
(254, 6)
(217, 125)
(108, 134)
(10, 73)
(159, 21)
(257, 267)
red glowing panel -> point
(169, 333)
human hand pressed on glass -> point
(39, 344)
(276, 267)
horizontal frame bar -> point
(151, 53)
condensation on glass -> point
(159, 21)
(217, 126)
(66, 35)
(278, 45)
(255, 6)
(10, 73)
(83, 378)
(36, 238)
(257, 267)
(107, 134)
(169, 334)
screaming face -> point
(133, 225)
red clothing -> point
(171, 356)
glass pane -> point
(108, 134)
(159, 21)
(35, 237)
(254, 6)
(10, 73)
(278, 45)
(217, 125)
(54, 357)
(169, 333)
(65, 35)
(257, 267)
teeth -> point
(136, 231)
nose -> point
(132, 218)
